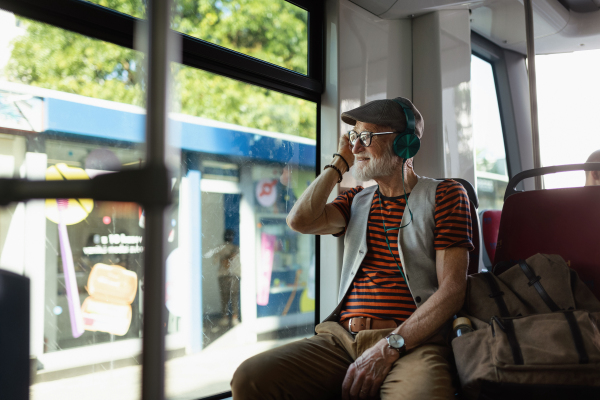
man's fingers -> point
(374, 389)
(347, 384)
(355, 390)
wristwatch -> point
(396, 342)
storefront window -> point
(238, 280)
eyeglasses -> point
(364, 137)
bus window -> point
(238, 280)
(490, 155)
(567, 90)
(271, 30)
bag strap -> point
(508, 327)
(535, 282)
(496, 294)
(577, 338)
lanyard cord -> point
(386, 230)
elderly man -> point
(403, 275)
(592, 178)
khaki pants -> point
(230, 296)
(315, 368)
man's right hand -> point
(345, 149)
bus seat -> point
(556, 221)
(475, 255)
(14, 336)
(490, 223)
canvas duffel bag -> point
(540, 284)
(553, 348)
(536, 323)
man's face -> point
(378, 160)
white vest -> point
(415, 242)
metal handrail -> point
(535, 133)
(150, 186)
(538, 172)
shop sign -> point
(266, 192)
(115, 244)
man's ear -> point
(595, 175)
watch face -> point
(396, 341)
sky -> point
(8, 31)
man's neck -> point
(392, 186)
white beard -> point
(375, 167)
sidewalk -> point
(189, 377)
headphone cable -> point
(386, 230)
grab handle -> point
(531, 173)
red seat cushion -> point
(490, 224)
(557, 221)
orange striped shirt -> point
(378, 290)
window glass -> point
(248, 282)
(271, 30)
(567, 91)
(239, 281)
(70, 108)
(490, 155)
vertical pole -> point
(535, 134)
(153, 370)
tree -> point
(274, 31)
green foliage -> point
(274, 31)
(61, 60)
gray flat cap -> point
(386, 113)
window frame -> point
(493, 54)
(511, 81)
(111, 26)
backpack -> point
(535, 324)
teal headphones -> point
(407, 144)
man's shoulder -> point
(449, 185)
(349, 194)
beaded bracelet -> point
(343, 159)
(336, 168)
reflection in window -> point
(271, 30)
(238, 280)
(567, 90)
(490, 155)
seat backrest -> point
(475, 255)
(557, 221)
(14, 336)
(490, 224)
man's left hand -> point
(365, 376)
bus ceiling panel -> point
(111, 26)
(581, 6)
(556, 28)
(377, 7)
(413, 8)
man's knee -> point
(247, 381)
(425, 373)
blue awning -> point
(67, 117)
